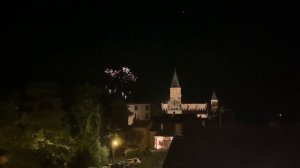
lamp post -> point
(114, 145)
(220, 118)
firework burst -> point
(119, 81)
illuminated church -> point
(175, 117)
(175, 105)
(180, 115)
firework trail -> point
(119, 80)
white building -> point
(161, 136)
(139, 112)
(175, 105)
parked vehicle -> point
(122, 164)
(108, 166)
(134, 161)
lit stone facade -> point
(139, 112)
(170, 108)
(159, 134)
(175, 105)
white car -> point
(134, 161)
(108, 166)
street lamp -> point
(114, 145)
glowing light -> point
(115, 143)
(202, 115)
(162, 142)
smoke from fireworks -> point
(119, 80)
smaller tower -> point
(214, 104)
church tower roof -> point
(214, 97)
(175, 81)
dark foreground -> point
(243, 147)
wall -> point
(188, 107)
(141, 111)
(202, 106)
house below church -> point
(139, 112)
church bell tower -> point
(175, 90)
(174, 104)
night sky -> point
(247, 51)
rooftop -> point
(247, 147)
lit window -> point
(162, 143)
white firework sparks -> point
(124, 74)
(119, 81)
